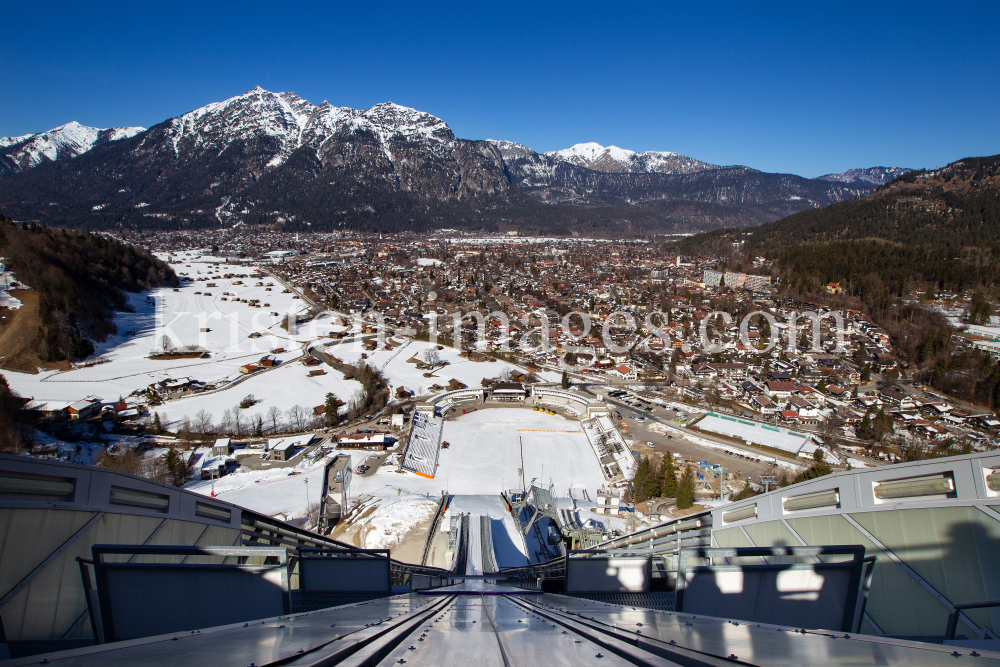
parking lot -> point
(744, 467)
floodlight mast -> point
(306, 480)
(767, 480)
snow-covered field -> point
(664, 429)
(400, 371)
(181, 315)
(789, 441)
(489, 446)
(392, 519)
(223, 328)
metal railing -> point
(668, 537)
(952, 626)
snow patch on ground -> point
(393, 519)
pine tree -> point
(865, 431)
(176, 467)
(330, 409)
(818, 469)
(157, 426)
(685, 490)
(882, 424)
(565, 380)
(652, 484)
(640, 481)
(980, 310)
(668, 477)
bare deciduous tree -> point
(297, 417)
(226, 425)
(274, 414)
(238, 421)
(203, 422)
(432, 357)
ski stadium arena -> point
(890, 565)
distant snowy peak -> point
(60, 143)
(287, 121)
(118, 133)
(511, 150)
(872, 176)
(10, 141)
(613, 159)
(592, 153)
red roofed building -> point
(624, 372)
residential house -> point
(761, 403)
(779, 390)
(625, 372)
(84, 409)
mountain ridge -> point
(279, 160)
(870, 175)
(612, 159)
(64, 142)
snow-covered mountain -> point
(872, 176)
(276, 159)
(292, 122)
(272, 158)
(60, 143)
(611, 159)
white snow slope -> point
(65, 141)
(614, 159)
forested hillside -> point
(940, 228)
(79, 280)
(923, 233)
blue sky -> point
(805, 88)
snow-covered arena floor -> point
(490, 445)
(487, 449)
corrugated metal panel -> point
(897, 602)
(773, 534)
(955, 549)
(27, 537)
(730, 538)
(176, 533)
(54, 600)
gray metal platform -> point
(508, 629)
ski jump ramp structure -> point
(895, 565)
(424, 445)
